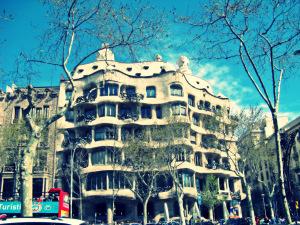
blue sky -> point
(21, 34)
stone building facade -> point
(113, 99)
(263, 138)
(12, 104)
(292, 129)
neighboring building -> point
(292, 131)
(264, 137)
(113, 99)
(12, 104)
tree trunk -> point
(26, 176)
(271, 209)
(249, 201)
(181, 208)
(211, 213)
(145, 211)
(80, 197)
(280, 168)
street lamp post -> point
(71, 182)
(264, 205)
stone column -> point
(119, 133)
(225, 210)
(198, 138)
(166, 211)
(153, 112)
(89, 159)
(93, 134)
(227, 185)
(109, 212)
(186, 209)
(196, 209)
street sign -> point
(199, 200)
(37, 207)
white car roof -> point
(44, 221)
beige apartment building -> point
(12, 104)
(292, 129)
(114, 99)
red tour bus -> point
(57, 194)
(55, 204)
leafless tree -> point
(172, 139)
(142, 171)
(263, 36)
(73, 26)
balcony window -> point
(90, 93)
(111, 110)
(128, 111)
(107, 109)
(17, 113)
(46, 111)
(101, 110)
(96, 181)
(222, 183)
(105, 133)
(213, 161)
(222, 145)
(159, 112)
(68, 94)
(178, 109)
(70, 115)
(104, 156)
(196, 119)
(38, 112)
(182, 154)
(151, 92)
(231, 185)
(186, 179)
(209, 141)
(198, 159)
(200, 183)
(176, 90)
(120, 182)
(130, 90)
(8, 188)
(201, 105)
(191, 100)
(146, 112)
(109, 90)
(193, 137)
(85, 135)
(126, 132)
(211, 123)
(207, 106)
(218, 109)
(90, 114)
(164, 182)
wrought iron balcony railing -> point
(87, 98)
(128, 115)
(132, 97)
(86, 117)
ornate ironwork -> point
(132, 97)
(9, 169)
(85, 118)
(129, 115)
